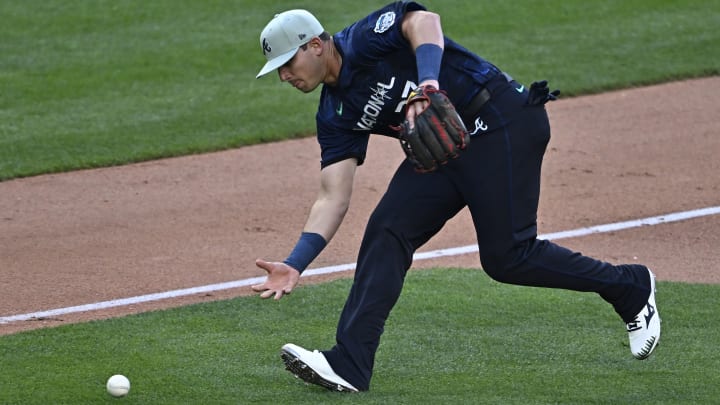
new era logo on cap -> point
(284, 35)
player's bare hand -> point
(281, 279)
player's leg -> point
(414, 208)
(503, 199)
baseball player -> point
(474, 138)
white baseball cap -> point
(284, 35)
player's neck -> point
(334, 64)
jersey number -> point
(409, 86)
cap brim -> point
(276, 62)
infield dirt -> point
(96, 235)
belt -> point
(484, 95)
(476, 103)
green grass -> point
(490, 343)
(90, 83)
(94, 83)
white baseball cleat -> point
(313, 368)
(644, 330)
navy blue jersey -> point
(378, 73)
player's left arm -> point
(423, 30)
(433, 131)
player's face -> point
(302, 71)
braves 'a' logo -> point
(480, 125)
(266, 47)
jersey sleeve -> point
(339, 144)
(380, 33)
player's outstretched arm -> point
(324, 219)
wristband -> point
(428, 58)
(308, 247)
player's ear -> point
(316, 45)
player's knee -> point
(494, 266)
(378, 226)
(499, 264)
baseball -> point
(118, 385)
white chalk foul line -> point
(616, 226)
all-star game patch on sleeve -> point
(380, 33)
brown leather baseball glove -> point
(439, 133)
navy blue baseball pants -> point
(498, 179)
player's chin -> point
(305, 88)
